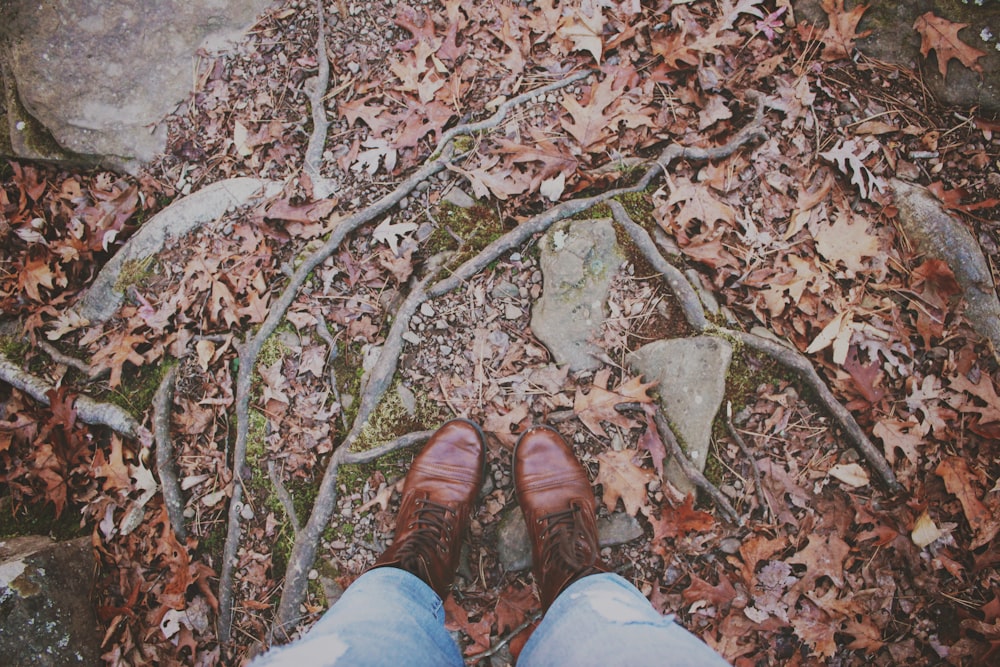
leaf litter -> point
(795, 234)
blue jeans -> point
(390, 617)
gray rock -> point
(894, 40)
(514, 549)
(85, 80)
(691, 373)
(578, 260)
(505, 290)
(183, 216)
(938, 234)
(460, 198)
(45, 608)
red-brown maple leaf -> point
(941, 35)
(702, 591)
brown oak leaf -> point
(457, 618)
(941, 35)
(961, 483)
(114, 355)
(679, 521)
(623, 479)
(599, 404)
(822, 556)
(838, 40)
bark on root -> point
(786, 356)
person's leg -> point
(604, 620)
(592, 617)
(393, 614)
(387, 618)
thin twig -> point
(72, 362)
(402, 442)
(758, 485)
(476, 657)
(692, 472)
(165, 463)
(323, 331)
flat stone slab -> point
(45, 608)
(514, 548)
(691, 373)
(97, 77)
(578, 260)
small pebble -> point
(730, 545)
(412, 338)
(313, 575)
(427, 310)
(246, 513)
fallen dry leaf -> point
(961, 483)
(941, 35)
(622, 479)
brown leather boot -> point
(560, 510)
(440, 489)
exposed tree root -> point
(322, 187)
(249, 350)
(72, 362)
(87, 409)
(304, 551)
(284, 497)
(691, 471)
(165, 463)
(788, 357)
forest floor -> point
(794, 232)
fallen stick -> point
(284, 497)
(758, 484)
(476, 657)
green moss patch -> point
(477, 227)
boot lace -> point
(432, 528)
(564, 542)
